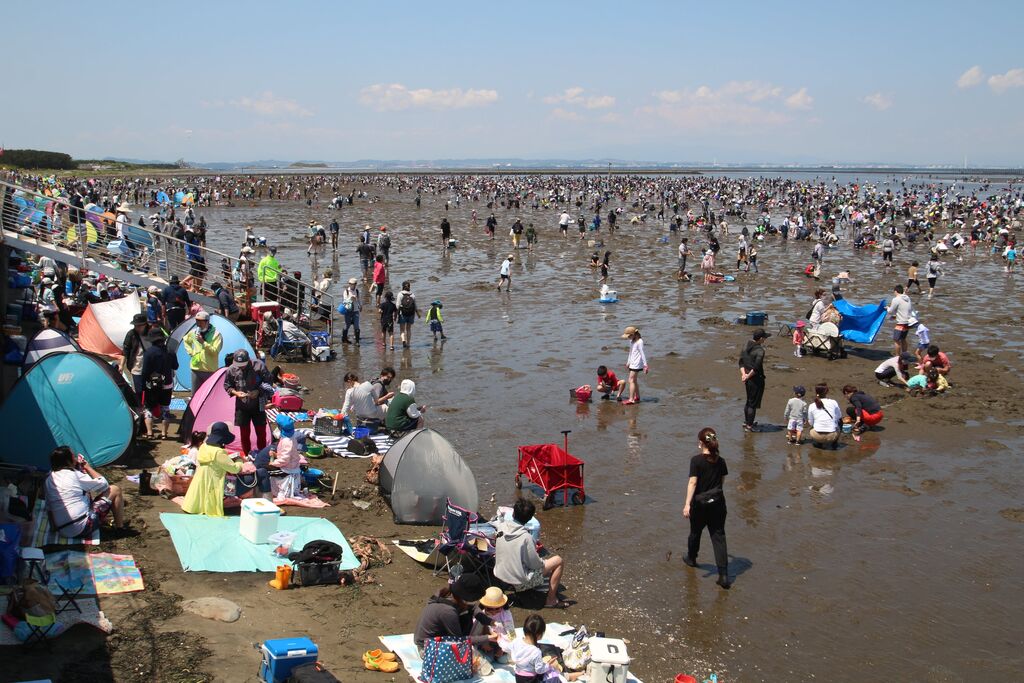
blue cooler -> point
(282, 655)
(756, 318)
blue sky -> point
(783, 82)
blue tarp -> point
(860, 324)
(66, 399)
(233, 338)
(213, 544)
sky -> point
(691, 82)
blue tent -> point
(233, 337)
(860, 324)
(68, 399)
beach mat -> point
(213, 544)
(414, 549)
(338, 443)
(405, 648)
(97, 573)
(297, 415)
(90, 614)
(312, 502)
(43, 535)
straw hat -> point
(494, 598)
(124, 208)
(629, 332)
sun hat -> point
(219, 435)
(760, 334)
(468, 587)
(124, 208)
(494, 598)
(801, 323)
(241, 357)
(139, 319)
(353, 281)
(629, 332)
(153, 289)
(285, 424)
(247, 249)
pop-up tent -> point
(860, 324)
(233, 338)
(68, 399)
(46, 341)
(420, 472)
(104, 326)
(209, 404)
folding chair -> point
(282, 346)
(68, 595)
(458, 542)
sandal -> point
(561, 604)
(378, 663)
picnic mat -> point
(297, 415)
(309, 501)
(98, 573)
(178, 403)
(90, 614)
(338, 443)
(405, 648)
(213, 544)
(41, 533)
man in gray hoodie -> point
(516, 561)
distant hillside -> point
(37, 159)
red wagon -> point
(553, 469)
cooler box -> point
(258, 521)
(260, 307)
(608, 660)
(756, 318)
(282, 655)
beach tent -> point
(860, 324)
(209, 404)
(233, 338)
(47, 341)
(104, 326)
(68, 399)
(420, 471)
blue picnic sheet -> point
(213, 544)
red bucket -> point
(683, 678)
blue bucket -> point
(756, 318)
(360, 432)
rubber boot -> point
(357, 335)
(279, 581)
(723, 578)
(287, 576)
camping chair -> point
(458, 542)
(282, 346)
(825, 339)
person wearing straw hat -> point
(122, 219)
(494, 604)
(636, 363)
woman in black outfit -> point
(705, 503)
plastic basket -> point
(314, 450)
(327, 426)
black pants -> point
(755, 390)
(713, 517)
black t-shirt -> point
(388, 312)
(709, 474)
(865, 403)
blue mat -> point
(212, 544)
(860, 324)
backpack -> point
(363, 446)
(384, 241)
(407, 306)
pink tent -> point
(209, 404)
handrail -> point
(151, 253)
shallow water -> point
(888, 558)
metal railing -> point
(92, 238)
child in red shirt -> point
(380, 276)
(607, 382)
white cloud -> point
(1000, 83)
(970, 78)
(800, 100)
(744, 104)
(878, 100)
(565, 114)
(610, 117)
(575, 96)
(395, 96)
(270, 105)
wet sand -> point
(897, 557)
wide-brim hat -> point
(494, 598)
(629, 332)
(219, 435)
(124, 208)
(139, 319)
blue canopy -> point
(860, 324)
(67, 399)
(233, 338)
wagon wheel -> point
(578, 498)
(519, 482)
(549, 501)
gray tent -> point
(420, 472)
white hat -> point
(408, 387)
(124, 208)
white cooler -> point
(258, 520)
(608, 661)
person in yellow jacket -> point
(206, 491)
(268, 272)
(203, 344)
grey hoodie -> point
(515, 554)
